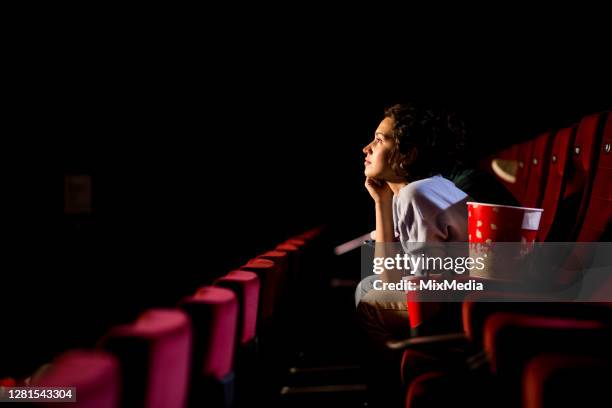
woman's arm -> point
(385, 236)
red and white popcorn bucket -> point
(489, 224)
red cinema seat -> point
(268, 272)
(582, 168)
(555, 180)
(582, 154)
(94, 374)
(294, 254)
(246, 287)
(538, 170)
(510, 342)
(553, 380)
(155, 356)
(214, 316)
(598, 216)
(280, 284)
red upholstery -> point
(538, 168)
(94, 374)
(525, 154)
(287, 247)
(298, 242)
(8, 382)
(293, 252)
(280, 258)
(511, 340)
(582, 154)
(555, 181)
(214, 314)
(268, 272)
(478, 307)
(554, 380)
(246, 287)
(311, 234)
(510, 337)
(281, 278)
(420, 392)
(598, 215)
(439, 389)
(419, 311)
(155, 356)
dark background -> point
(201, 160)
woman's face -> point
(378, 153)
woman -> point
(414, 203)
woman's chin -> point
(369, 172)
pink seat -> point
(294, 255)
(155, 355)
(280, 286)
(267, 271)
(246, 287)
(214, 316)
(94, 374)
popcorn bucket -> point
(502, 235)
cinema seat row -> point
(512, 350)
(211, 350)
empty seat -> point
(214, 315)
(94, 374)
(294, 257)
(510, 341)
(538, 169)
(553, 380)
(280, 283)
(312, 234)
(598, 215)
(155, 355)
(246, 287)
(581, 173)
(267, 271)
(526, 158)
(555, 180)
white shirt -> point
(430, 210)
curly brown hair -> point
(438, 136)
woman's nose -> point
(367, 148)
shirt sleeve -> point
(419, 219)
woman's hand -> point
(379, 190)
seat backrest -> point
(555, 180)
(214, 316)
(94, 374)
(581, 173)
(538, 170)
(155, 356)
(525, 152)
(268, 272)
(598, 214)
(246, 287)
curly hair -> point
(438, 136)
